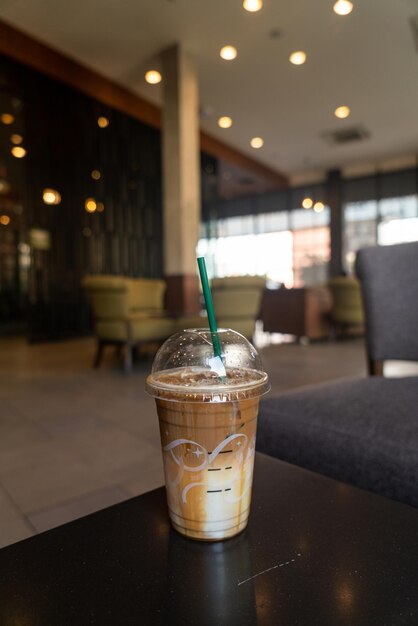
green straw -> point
(209, 306)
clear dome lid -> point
(186, 368)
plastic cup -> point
(207, 409)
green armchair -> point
(127, 312)
(347, 305)
(237, 302)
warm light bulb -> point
(7, 118)
(100, 207)
(102, 122)
(257, 142)
(153, 77)
(95, 175)
(252, 5)
(225, 122)
(342, 112)
(16, 139)
(51, 196)
(307, 203)
(298, 57)
(343, 7)
(90, 205)
(4, 220)
(228, 53)
(318, 207)
(18, 152)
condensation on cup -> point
(207, 408)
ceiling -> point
(366, 60)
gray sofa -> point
(363, 431)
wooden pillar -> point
(181, 179)
(334, 201)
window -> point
(360, 230)
(399, 220)
(398, 231)
(387, 221)
(290, 248)
(311, 253)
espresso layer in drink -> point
(208, 448)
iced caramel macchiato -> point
(208, 428)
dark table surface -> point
(316, 552)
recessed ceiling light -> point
(318, 207)
(102, 122)
(343, 7)
(342, 112)
(153, 77)
(252, 5)
(225, 122)
(228, 53)
(51, 196)
(18, 152)
(7, 118)
(298, 57)
(257, 142)
(90, 205)
(307, 203)
(4, 220)
(96, 175)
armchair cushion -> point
(239, 282)
(128, 308)
(109, 295)
(135, 328)
(360, 431)
(237, 302)
(147, 294)
(389, 282)
(347, 305)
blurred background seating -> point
(303, 312)
(237, 302)
(347, 306)
(127, 312)
(363, 431)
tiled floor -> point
(74, 440)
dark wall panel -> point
(64, 144)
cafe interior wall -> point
(46, 249)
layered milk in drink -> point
(208, 430)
